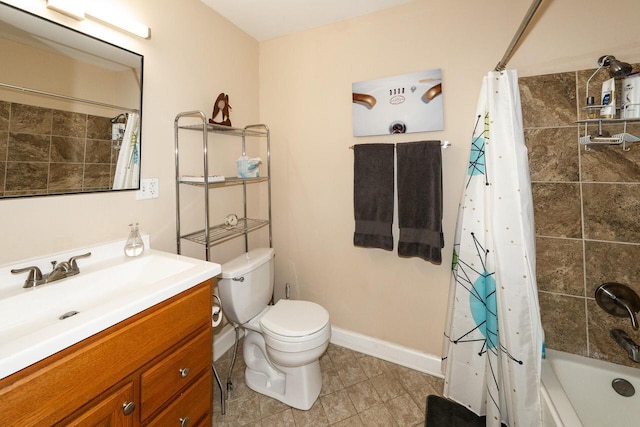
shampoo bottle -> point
(608, 110)
(630, 105)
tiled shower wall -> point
(46, 151)
(587, 214)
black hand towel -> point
(420, 200)
(373, 195)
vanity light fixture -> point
(111, 17)
(79, 9)
(72, 8)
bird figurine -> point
(221, 107)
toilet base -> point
(298, 387)
(261, 383)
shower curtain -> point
(493, 337)
(128, 165)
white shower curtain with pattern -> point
(128, 166)
(493, 337)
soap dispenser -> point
(134, 245)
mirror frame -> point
(119, 55)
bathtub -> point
(576, 391)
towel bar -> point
(443, 144)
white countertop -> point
(110, 288)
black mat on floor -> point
(443, 412)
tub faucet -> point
(627, 306)
(60, 270)
(625, 341)
(619, 300)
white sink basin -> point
(109, 289)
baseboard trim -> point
(388, 351)
(385, 350)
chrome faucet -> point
(625, 341)
(60, 270)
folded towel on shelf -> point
(420, 200)
(373, 195)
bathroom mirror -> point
(70, 110)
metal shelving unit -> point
(211, 235)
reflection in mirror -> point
(70, 109)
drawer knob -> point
(184, 372)
(184, 422)
(128, 407)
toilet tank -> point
(246, 285)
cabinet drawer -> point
(175, 372)
(194, 404)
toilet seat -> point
(291, 319)
(293, 344)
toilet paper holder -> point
(216, 311)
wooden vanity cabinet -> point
(151, 369)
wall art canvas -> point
(400, 104)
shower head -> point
(616, 68)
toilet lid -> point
(295, 318)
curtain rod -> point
(68, 98)
(523, 26)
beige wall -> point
(300, 85)
(305, 96)
(193, 54)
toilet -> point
(283, 342)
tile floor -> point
(357, 390)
